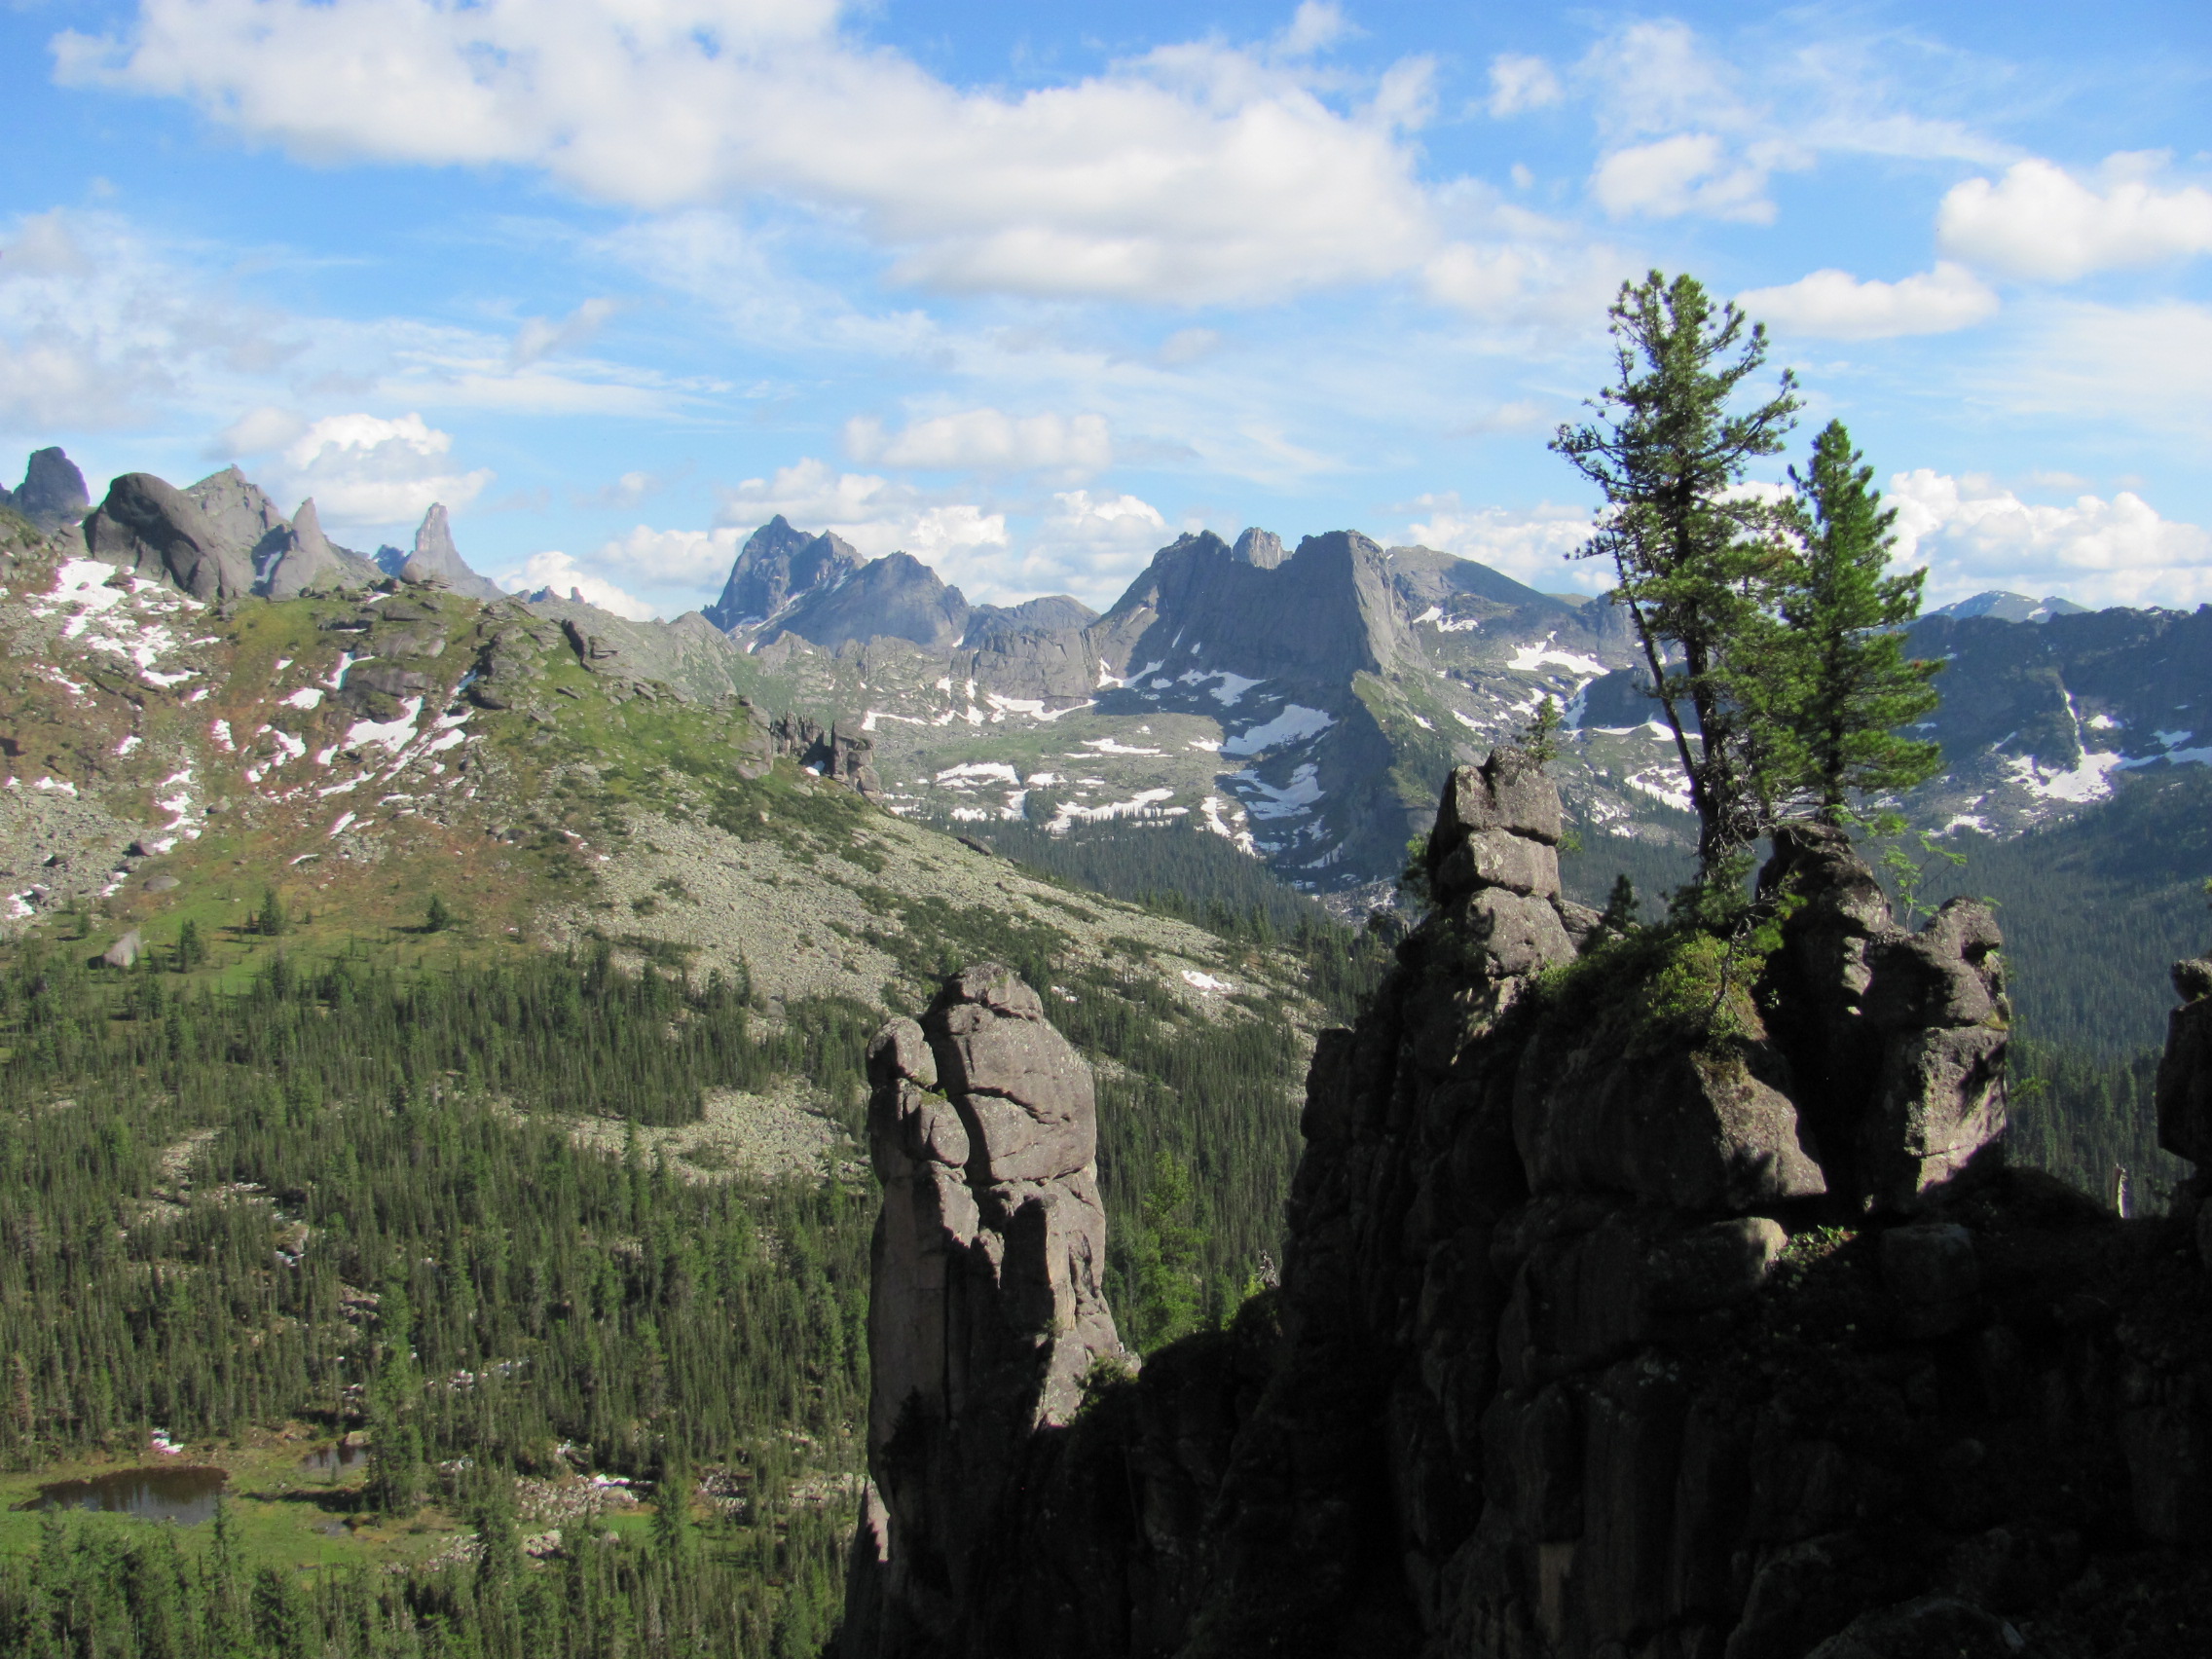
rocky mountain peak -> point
(241, 514)
(894, 597)
(1260, 547)
(151, 527)
(776, 565)
(52, 492)
(436, 559)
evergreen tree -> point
(1166, 1259)
(1539, 738)
(395, 1439)
(269, 920)
(675, 1538)
(1691, 552)
(437, 918)
(1834, 677)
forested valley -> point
(342, 1198)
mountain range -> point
(1304, 704)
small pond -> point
(186, 1496)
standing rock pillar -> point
(986, 1306)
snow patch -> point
(393, 734)
(1108, 746)
(1205, 982)
(1144, 804)
(1293, 799)
(1532, 657)
(1297, 723)
(306, 698)
(979, 772)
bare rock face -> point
(436, 559)
(307, 561)
(1922, 1014)
(1595, 1339)
(156, 530)
(834, 751)
(53, 491)
(986, 1308)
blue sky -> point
(1026, 291)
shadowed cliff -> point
(1648, 1295)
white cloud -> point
(1194, 173)
(983, 440)
(675, 558)
(1691, 172)
(2042, 223)
(1091, 546)
(1975, 535)
(539, 338)
(874, 514)
(1837, 305)
(2148, 368)
(258, 431)
(1186, 346)
(365, 470)
(1517, 81)
(1315, 25)
(1531, 546)
(565, 577)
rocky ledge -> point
(1644, 1299)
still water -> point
(186, 1496)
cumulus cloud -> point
(1835, 305)
(567, 579)
(1531, 545)
(1518, 82)
(258, 431)
(1192, 173)
(1975, 535)
(983, 440)
(365, 470)
(2042, 223)
(1691, 172)
(675, 558)
(1091, 546)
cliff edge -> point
(1648, 1295)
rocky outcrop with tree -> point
(1659, 1293)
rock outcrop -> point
(988, 1310)
(833, 751)
(1643, 1300)
(242, 516)
(52, 492)
(156, 530)
(308, 561)
(436, 559)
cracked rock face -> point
(986, 1307)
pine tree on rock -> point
(1691, 551)
(1838, 679)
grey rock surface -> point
(436, 559)
(307, 561)
(53, 491)
(986, 1306)
(153, 529)
(241, 514)
(776, 565)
